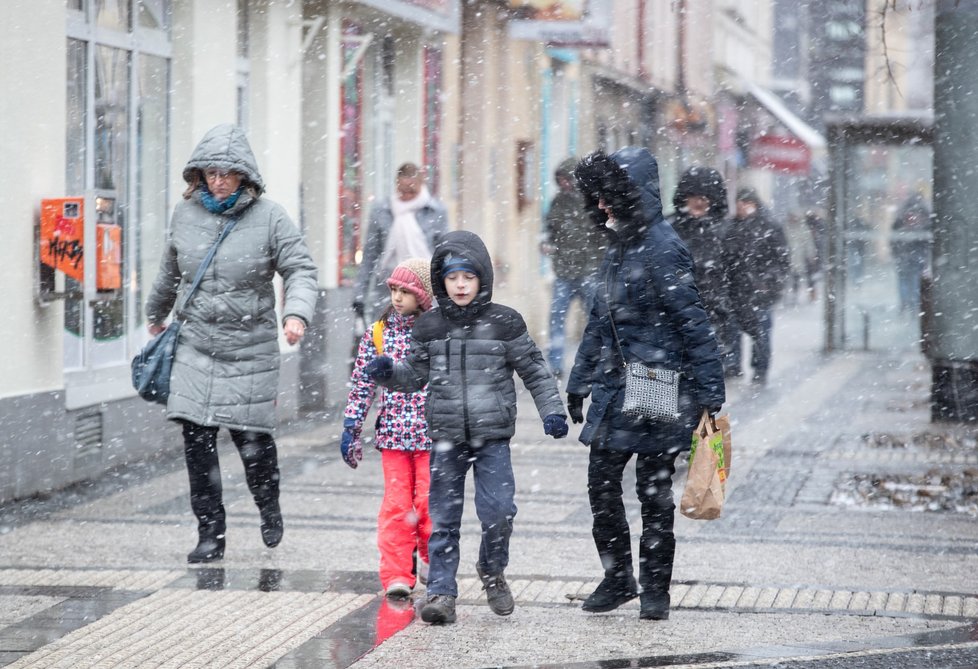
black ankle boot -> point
(611, 593)
(272, 527)
(209, 549)
(655, 606)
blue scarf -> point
(215, 206)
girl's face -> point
(462, 287)
(403, 300)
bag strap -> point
(378, 336)
(204, 265)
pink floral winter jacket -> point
(401, 423)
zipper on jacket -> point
(465, 394)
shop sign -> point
(784, 153)
(562, 23)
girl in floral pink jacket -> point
(401, 432)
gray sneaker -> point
(438, 610)
(497, 592)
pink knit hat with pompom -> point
(414, 274)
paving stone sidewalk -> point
(798, 572)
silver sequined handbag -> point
(651, 393)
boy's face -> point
(462, 287)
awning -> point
(793, 147)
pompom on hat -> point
(414, 275)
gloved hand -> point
(555, 426)
(575, 407)
(350, 446)
(713, 410)
(380, 367)
(358, 308)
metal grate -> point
(88, 432)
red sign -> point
(784, 153)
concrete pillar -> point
(954, 352)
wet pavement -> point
(807, 568)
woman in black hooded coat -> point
(646, 292)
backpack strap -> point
(378, 335)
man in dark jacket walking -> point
(758, 264)
(701, 208)
(576, 247)
(647, 310)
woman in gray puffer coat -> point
(225, 371)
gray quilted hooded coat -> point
(227, 360)
(467, 356)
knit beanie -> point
(458, 264)
(414, 274)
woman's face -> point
(221, 183)
(603, 206)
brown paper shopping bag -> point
(709, 466)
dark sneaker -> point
(497, 593)
(439, 610)
(655, 606)
(610, 594)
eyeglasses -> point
(214, 174)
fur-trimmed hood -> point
(705, 181)
(628, 181)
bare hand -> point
(155, 328)
(294, 330)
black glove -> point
(380, 367)
(358, 308)
(713, 411)
(575, 407)
(555, 426)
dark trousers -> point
(494, 505)
(657, 547)
(259, 456)
(757, 325)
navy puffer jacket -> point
(646, 283)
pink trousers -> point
(403, 524)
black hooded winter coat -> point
(467, 356)
(757, 261)
(704, 237)
(646, 282)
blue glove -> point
(555, 425)
(379, 368)
(350, 446)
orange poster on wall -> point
(63, 235)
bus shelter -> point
(878, 233)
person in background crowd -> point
(407, 225)
(575, 246)
(758, 264)
(648, 301)
(911, 247)
(466, 350)
(225, 371)
(801, 244)
(701, 207)
(403, 524)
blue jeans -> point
(757, 325)
(494, 505)
(565, 290)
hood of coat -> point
(225, 147)
(468, 245)
(705, 181)
(628, 181)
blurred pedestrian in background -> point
(910, 244)
(804, 259)
(401, 432)
(646, 309)
(407, 225)
(700, 203)
(225, 372)
(576, 247)
(758, 266)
